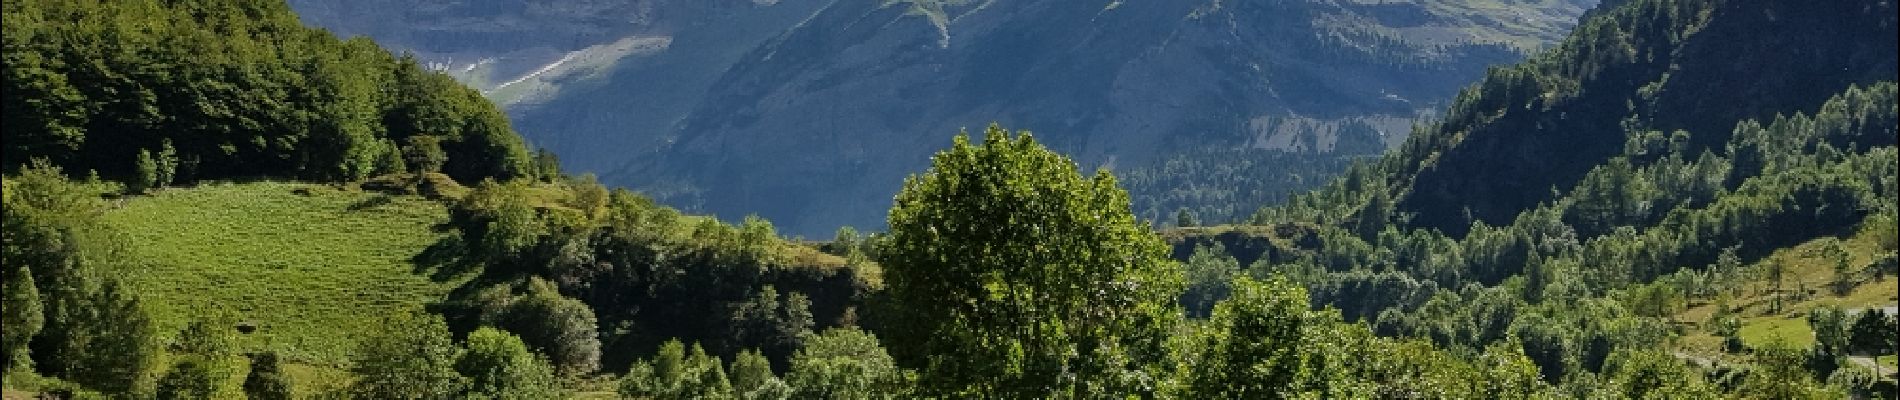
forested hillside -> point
(206, 199)
(1659, 67)
(218, 90)
(135, 267)
(1575, 204)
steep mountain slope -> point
(806, 111)
(528, 51)
(1544, 124)
(1731, 157)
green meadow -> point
(308, 266)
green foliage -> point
(1253, 345)
(1638, 228)
(21, 317)
(167, 160)
(95, 333)
(1860, 381)
(1656, 300)
(145, 175)
(1209, 274)
(407, 356)
(547, 166)
(111, 344)
(424, 154)
(675, 374)
(844, 364)
(778, 325)
(267, 380)
(1831, 327)
(1780, 373)
(1265, 343)
(1654, 374)
(499, 366)
(203, 363)
(560, 327)
(227, 97)
(1183, 218)
(1875, 332)
(642, 269)
(188, 379)
(1011, 275)
(1621, 79)
(1218, 185)
(1508, 373)
(154, 171)
(752, 378)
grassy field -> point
(1809, 269)
(309, 265)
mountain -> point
(1663, 141)
(807, 112)
(1653, 70)
(1680, 199)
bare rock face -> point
(810, 112)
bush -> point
(674, 374)
(500, 366)
(561, 327)
(752, 378)
(844, 364)
(267, 380)
(191, 378)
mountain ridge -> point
(784, 109)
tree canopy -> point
(1012, 275)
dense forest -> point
(1215, 187)
(1606, 220)
(209, 90)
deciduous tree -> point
(1012, 275)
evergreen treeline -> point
(1215, 186)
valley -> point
(755, 199)
(770, 109)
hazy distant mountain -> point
(810, 112)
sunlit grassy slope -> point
(310, 265)
(1810, 268)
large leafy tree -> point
(410, 356)
(1012, 275)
